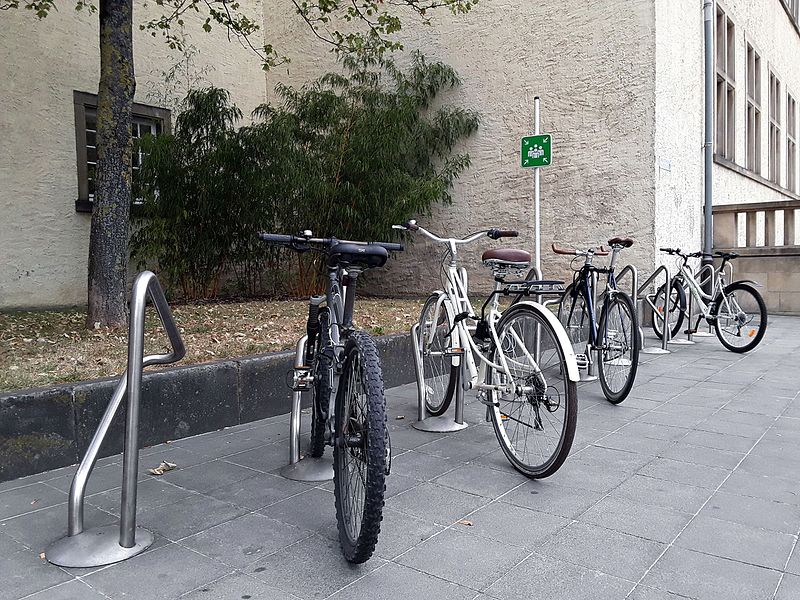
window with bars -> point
(791, 143)
(144, 120)
(753, 111)
(774, 129)
(726, 86)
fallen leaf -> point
(399, 417)
(41, 555)
(162, 468)
(465, 522)
(35, 500)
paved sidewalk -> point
(688, 489)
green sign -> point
(537, 150)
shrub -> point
(347, 156)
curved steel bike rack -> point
(634, 273)
(712, 275)
(642, 291)
(98, 546)
(303, 468)
(442, 423)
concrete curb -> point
(47, 428)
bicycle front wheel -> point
(618, 351)
(740, 317)
(360, 455)
(321, 392)
(440, 374)
(677, 308)
(574, 316)
(535, 413)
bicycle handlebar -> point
(298, 240)
(493, 233)
(681, 254)
(599, 251)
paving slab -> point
(688, 489)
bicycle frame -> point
(463, 349)
(699, 297)
(587, 290)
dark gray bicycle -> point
(344, 373)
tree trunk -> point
(108, 242)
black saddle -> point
(365, 256)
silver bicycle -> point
(520, 359)
(736, 310)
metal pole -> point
(421, 413)
(536, 193)
(297, 396)
(130, 457)
(77, 490)
(708, 226)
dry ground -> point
(49, 347)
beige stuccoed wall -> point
(43, 241)
(679, 125)
(766, 26)
(592, 63)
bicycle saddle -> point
(727, 255)
(507, 256)
(625, 242)
(366, 256)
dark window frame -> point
(84, 101)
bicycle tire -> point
(438, 394)
(574, 316)
(550, 380)
(677, 301)
(321, 391)
(360, 456)
(630, 341)
(755, 335)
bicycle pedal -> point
(582, 360)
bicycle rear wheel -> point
(740, 317)
(618, 354)
(440, 372)
(535, 419)
(677, 309)
(360, 455)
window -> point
(792, 9)
(774, 129)
(753, 117)
(726, 87)
(145, 119)
(791, 143)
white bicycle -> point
(520, 360)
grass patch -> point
(50, 347)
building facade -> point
(621, 86)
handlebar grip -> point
(601, 251)
(668, 250)
(390, 246)
(496, 234)
(560, 250)
(276, 238)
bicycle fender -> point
(563, 338)
(750, 281)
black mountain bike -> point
(615, 337)
(344, 373)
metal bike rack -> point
(642, 291)
(99, 546)
(442, 423)
(302, 468)
(634, 273)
